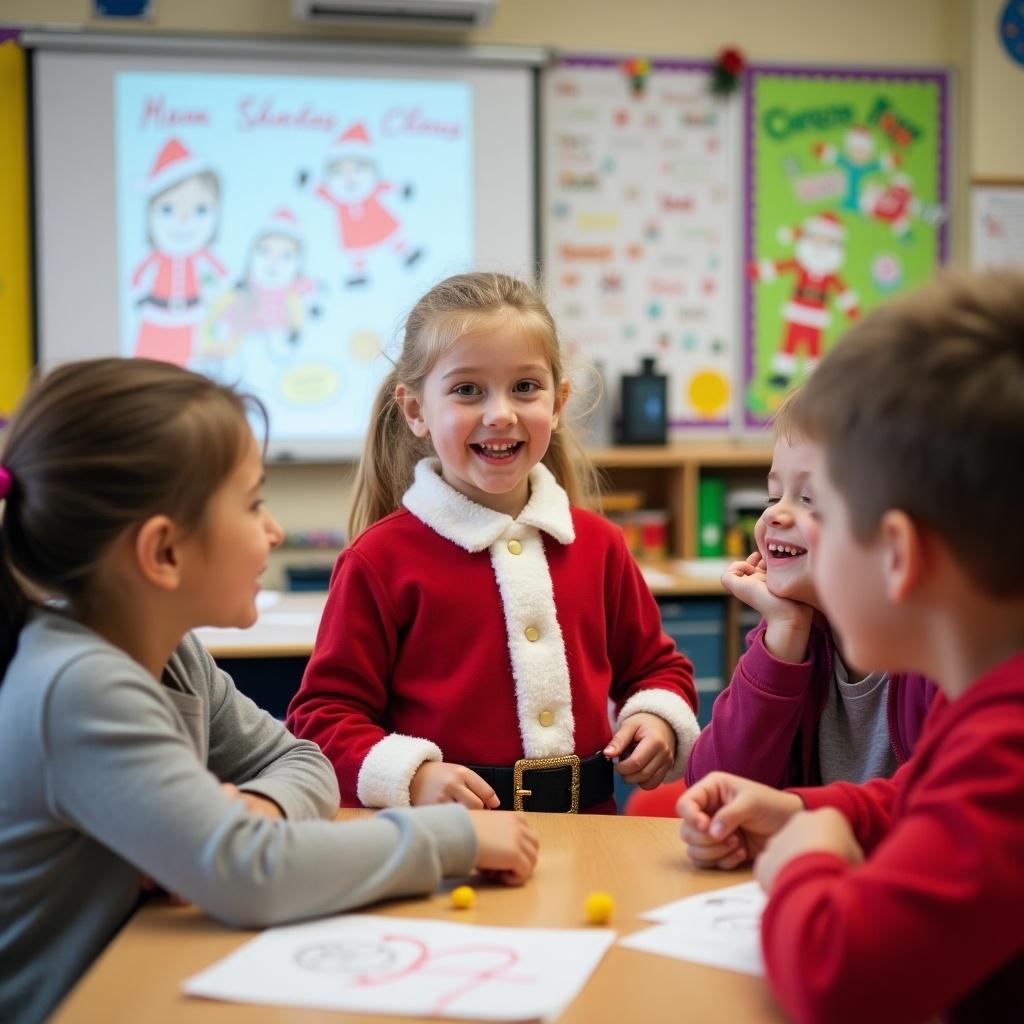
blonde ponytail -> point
(389, 457)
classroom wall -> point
(960, 34)
(994, 140)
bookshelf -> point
(669, 476)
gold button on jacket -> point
(546, 718)
(515, 548)
(532, 633)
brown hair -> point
(450, 310)
(784, 423)
(920, 407)
(99, 446)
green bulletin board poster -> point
(846, 205)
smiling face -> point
(225, 557)
(489, 406)
(351, 179)
(779, 534)
(274, 262)
(183, 219)
(819, 253)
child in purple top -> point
(794, 714)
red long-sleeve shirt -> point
(933, 921)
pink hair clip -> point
(6, 482)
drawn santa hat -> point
(174, 163)
(282, 222)
(823, 225)
(354, 141)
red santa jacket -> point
(362, 224)
(175, 279)
(933, 921)
(452, 631)
(808, 303)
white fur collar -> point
(476, 528)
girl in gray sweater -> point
(131, 491)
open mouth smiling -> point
(777, 550)
(498, 451)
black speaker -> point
(644, 406)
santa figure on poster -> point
(182, 213)
(353, 187)
(895, 204)
(818, 255)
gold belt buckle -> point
(528, 764)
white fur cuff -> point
(670, 706)
(387, 770)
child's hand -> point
(748, 580)
(789, 622)
(825, 829)
(441, 782)
(727, 819)
(653, 743)
(506, 846)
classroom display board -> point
(641, 226)
(270, 222)
(15, 332)
(997, 225)
(847, 193)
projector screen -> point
(270, 221)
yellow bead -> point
(599, 907)
(464, 897)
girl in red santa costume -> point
(479, 620)
(181, 222)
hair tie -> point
(6, 482)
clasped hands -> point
(729, 820)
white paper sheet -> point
(719, 928)
(743, 902)
(414, 967)
(997, 226)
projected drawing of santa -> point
(353, 187)
(182, 214)
(818, 255)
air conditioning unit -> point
(454, 14)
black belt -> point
(175, 304)
(564, 784)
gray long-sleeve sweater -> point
(106, 774)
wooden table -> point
(640, 861)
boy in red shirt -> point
(903, 898)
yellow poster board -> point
(15, 329)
